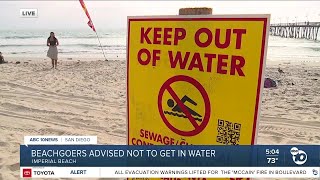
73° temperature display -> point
(272, 155)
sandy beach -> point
(89, 98)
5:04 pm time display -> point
(272, 155)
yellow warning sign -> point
(195, 80)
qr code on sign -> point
(228, 132)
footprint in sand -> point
(14, 167)
(119, 131)
(3, 144)
(113, 126)
(276, 139)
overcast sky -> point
(113, 14)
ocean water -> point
(76, 43)
(84, 44)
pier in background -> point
(299, 30)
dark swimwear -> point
(52, 43)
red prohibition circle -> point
(166, 86)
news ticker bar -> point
(173, 156)
(172, 172)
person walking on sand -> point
(2, 59)
(53, 42)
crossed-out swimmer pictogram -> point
(179, 108)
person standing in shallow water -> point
(53, 42)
